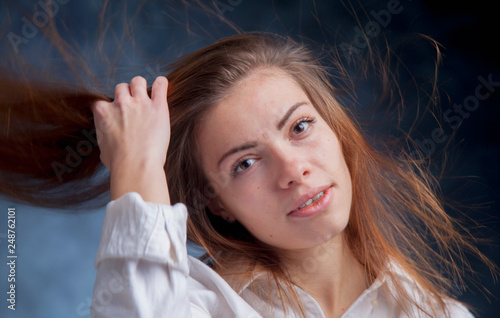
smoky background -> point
(451, 121)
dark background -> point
(56, 249)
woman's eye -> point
(302, 125)
(242, 165)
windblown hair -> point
(396, 214)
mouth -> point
(313, 202)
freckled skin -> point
(281, 167)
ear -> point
(218, 209)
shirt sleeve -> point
(142, 261)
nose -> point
(292, 166)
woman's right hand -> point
(133, 134)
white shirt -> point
(144, 271)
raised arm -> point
(133, 133)
(142, 259)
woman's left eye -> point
(302, 125)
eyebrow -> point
(250, 145)
(289, 113)
(239, 148)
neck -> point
(330, 273)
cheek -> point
(260, 225)
(326, 148)
(246, 201)
(257, 213)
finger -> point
(101, 110)
(100, 107)
(139, 86)
(122, 91)
(159, 89)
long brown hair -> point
(396, 214)
(396, 217)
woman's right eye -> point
(242, 165)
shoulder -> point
(457, 310)
(209, 291)
(423, 301)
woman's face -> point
(276, 165)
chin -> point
(330, 230)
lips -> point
(310, 198)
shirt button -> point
(375, 302)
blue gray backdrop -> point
(56, 248)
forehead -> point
(267, 91)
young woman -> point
(247, 151)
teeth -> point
(312, 200)
(317, 196)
